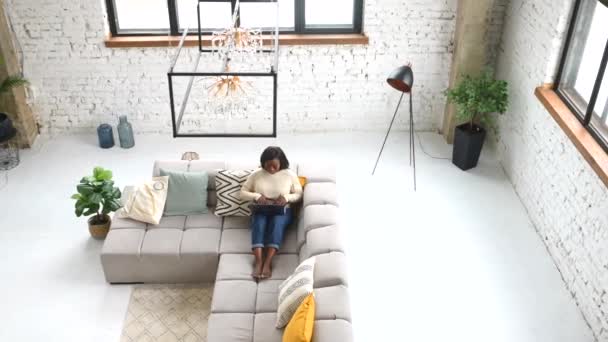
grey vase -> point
(125, 133)
(105, 135)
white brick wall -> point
(79, 83)
(566, 201)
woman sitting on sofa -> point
(274, 184)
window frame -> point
(600, 134)
(174, 30)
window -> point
(171, 17)
(582, 81)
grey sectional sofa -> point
(206, 248)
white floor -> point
(458, 260)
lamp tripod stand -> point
(402, 79)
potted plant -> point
(475, 98)
(7, 129)
(97, 196)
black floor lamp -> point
(402, 79)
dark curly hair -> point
(274, 152)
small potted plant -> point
(475, 98)
(97, 196)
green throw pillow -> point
(187, 193)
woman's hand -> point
(263, 200)
(281, 201)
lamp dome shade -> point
(402, 79)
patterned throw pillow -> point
(294, 290)
(228, 184)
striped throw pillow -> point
(294, 290)
(228, 184)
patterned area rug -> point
(168, 313)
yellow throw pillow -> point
(301, 325)
(303, 181)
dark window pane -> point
(214, 15)
(142, 14)
(263, 15)
(601, 108)
(585, 53)
(323, 13)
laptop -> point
(268, 209)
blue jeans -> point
(268, 230)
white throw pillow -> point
(294, 290)
(146, 202)
(228, 184)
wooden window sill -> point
(584, 142)
(284, 39)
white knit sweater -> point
(260, 182)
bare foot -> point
(257, 272)
(266, 271)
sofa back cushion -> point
(210, 166)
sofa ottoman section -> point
(199, 254)
(125, 223)
(120, 255)
(160, 255)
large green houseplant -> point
(97, 197)
(476, 98)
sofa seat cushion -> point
(234, 296)
(268, 296)
(230, 327)
(264, 329)
(173, 222)
(240, 266)
(200, 241)
(208, 220)
(238, 241)
(235, 267)
(237, 222)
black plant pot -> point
(7, 130)
(467, 146)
